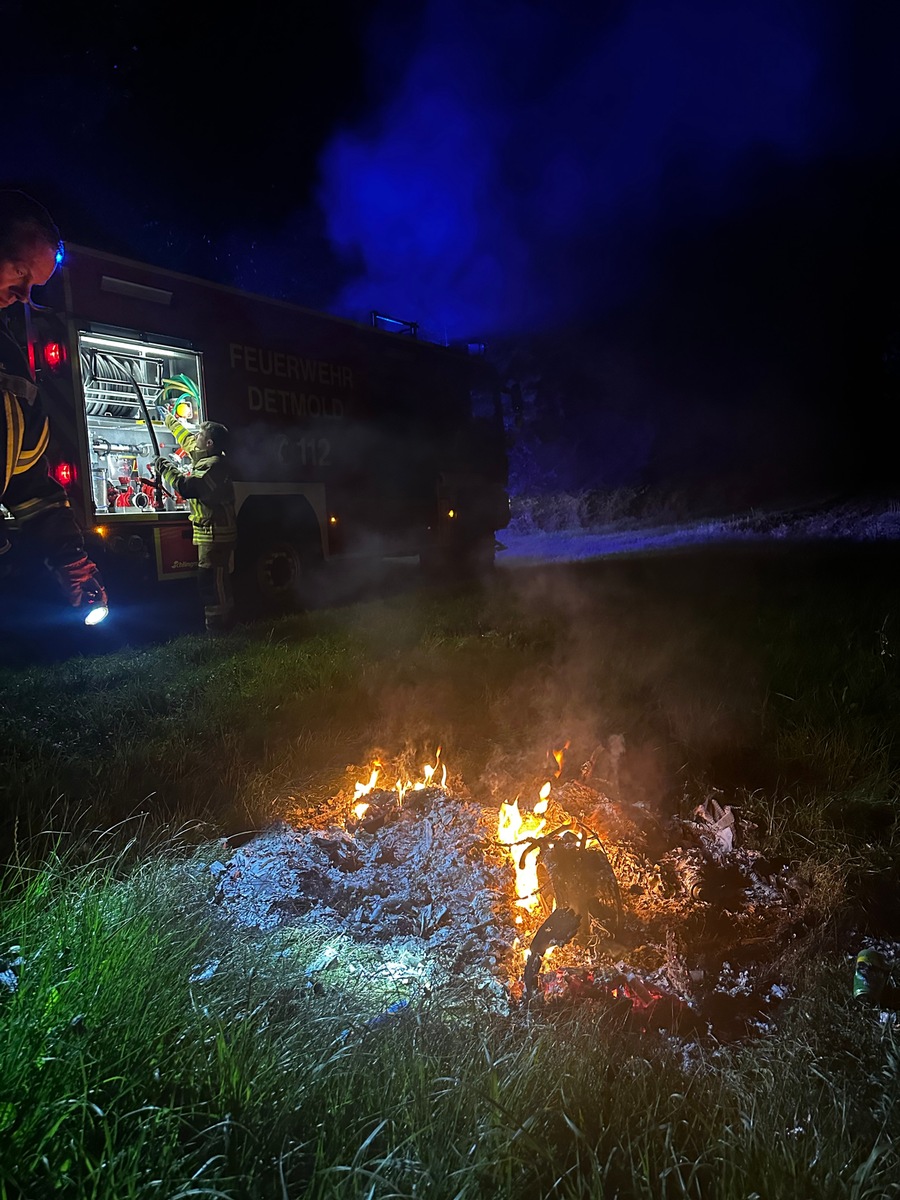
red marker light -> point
(64, 474)
(54, 355)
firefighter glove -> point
(80, 582)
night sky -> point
(674, 219)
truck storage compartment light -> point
(91, 339)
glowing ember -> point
(514, 828)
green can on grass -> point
(870, 976)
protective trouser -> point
(214, 580)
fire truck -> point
(347, 439)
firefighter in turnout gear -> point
(29, 252)
(208, 489)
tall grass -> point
(149, 1049)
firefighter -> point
(29, 252)
(208, 489)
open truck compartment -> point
(122, 454)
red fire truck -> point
(346, 439)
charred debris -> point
(415, 894)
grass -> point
(242, 1083)
(151, 1049)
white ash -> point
(429, 886)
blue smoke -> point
(528, 155)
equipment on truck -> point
(154, 441)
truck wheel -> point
(275, 575)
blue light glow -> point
(519, 176)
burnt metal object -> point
(580, 875)
(559, 929)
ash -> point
(413, 893)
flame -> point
(427, 780)
(363, 789)
(558, 755)
(360, 810)
(402, 786)
(428, 771)
(515, 827)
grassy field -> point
(125, 1073)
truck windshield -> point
(113, 371)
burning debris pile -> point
(577, 898)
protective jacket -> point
(27, 489)
(207, 487)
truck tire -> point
(275, 574)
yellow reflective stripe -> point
(15, 431)
(27, 458)
(26, 505)
(8, 458)
(182, 434)
(32, 508)
(44, 440)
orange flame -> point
(515, 827)
(363, 789)
(428, 773)
(558, 755)
(402, 786)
